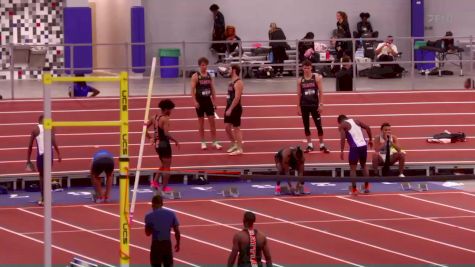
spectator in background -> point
(469, 84)
(232, 45)
(306, 47)
(364, 27)
(278, 48)
(342, 24)
(386, 51)
(218, 29)
(448, 42)
(344, 78)
(81, 89)
(343, 31)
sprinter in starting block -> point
(286, 159)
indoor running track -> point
(435, 228)
(269, 123)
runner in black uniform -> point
(249, 245)
(290, 158)
(232, 116)
(309, 102)
(161, 142)
(204, 97)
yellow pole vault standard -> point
(123, 123)
(124, 171)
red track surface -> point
(416, 228)
(269, 123)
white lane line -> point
(133, 98)
(183, 235)
(224, 142)
(237, 167)
(247, 153)
(246, 130)
(438, 115)
(73, 253)
(380, 226)
(440, 204)
(414, 216)
(330, 234)
(100, 235)
(253, 106)
(257, 129)
(238, 229)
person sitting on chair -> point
(387, 50)
(364, 27)
(306, 47)
(232, 46)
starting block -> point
(300, 190)
(230, 192)
(76, 262)
(406, 186)
(170, 194)
(285, 190)
(421, 187)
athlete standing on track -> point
(249, 244)
(37, 134)
(204, 97)
(158, 224)
(232, 116)
(161, 142)
(351, 130)
(309, 102)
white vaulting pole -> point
(142, 141)
(48, 256)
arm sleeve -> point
(148, 222)
(175, 220)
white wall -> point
(179, 20)
(454, 15)
(112, 25)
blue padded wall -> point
(137, 28)
(78, 30)
(417, 18)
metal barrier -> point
(192, 50)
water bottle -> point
(185, 180)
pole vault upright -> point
(123, 123)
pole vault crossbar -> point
(123, 123)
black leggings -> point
(306, 111)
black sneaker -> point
(324, 149)
(308, 149)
